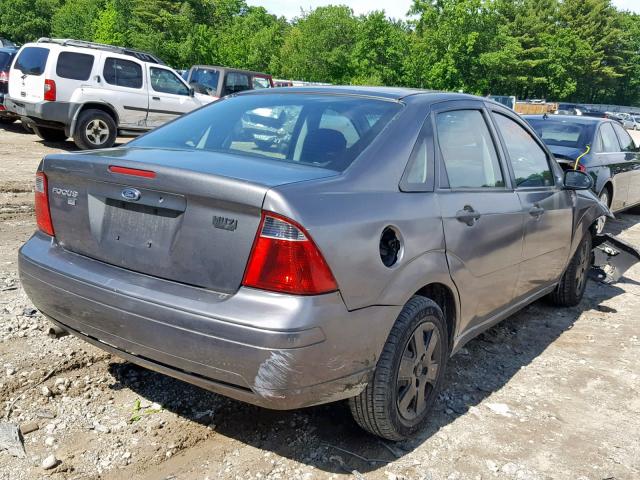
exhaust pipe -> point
(56, 332)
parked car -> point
(93, 92)
(631, 123)
(569, 109)
(4, 43)
(599, 147)
(351, 263)
(221, 81)
(6, 57)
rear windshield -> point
(310, 129)
(5, 60)
(32, 60)
(562, 133)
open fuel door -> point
(612, 258)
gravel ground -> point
(546, 394)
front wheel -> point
(573, 283)
(95, 129)
(602, 221)
(396, 402)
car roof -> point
(387, 93)
(581, 119)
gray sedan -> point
(347, 259)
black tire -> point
(573, 283)
(377, 409)
(95, 129)
(50, 134)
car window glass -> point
(261, 82)
(122, 73)
(529, 160)
(75, 66)
(468, 150)
(236, 82)
(417, 172)
(205, 80)
(5, 60)
(627, 143)
(165, 81)
(333, 120)
(32, 60)
(608, 138)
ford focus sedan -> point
(348, 258)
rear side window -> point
(5, 61)
(165, 81)
(261, 82)
(627, 143)
(32, 60)
(280, 127)
(75, 66)
(608, 139)
(468, 151)
(122, 73)
(528, 159)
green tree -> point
(76, 18)
(26, 20)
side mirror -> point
(192, 91)
(577, 180)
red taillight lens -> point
(285, 259)
(136, 172)
(50, 90)
(582, 168)
(43, 214)
(4, 77)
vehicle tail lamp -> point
(50, 90)
(43, 213)
(285, 259)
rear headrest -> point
(323, 145)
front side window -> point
(308, 129)
(468, 151)
(608, 140)
(32, 60)
(165, 81)
(627, 143)
(123, 73)
(236, 82)
(75, 66)
(528, 159)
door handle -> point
(536, 211)
(156, 98)
(468, 215)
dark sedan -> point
(6, 57)
(600, 147)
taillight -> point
(4, 77)
(50, 90)
(582, 168)
(43, 214)
(285, 259)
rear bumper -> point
(272, 350)
(3, 111)
(45, 114)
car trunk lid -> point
(192, 217)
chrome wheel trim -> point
(97, 132)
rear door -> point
(26, 79)
(611, 162)
(632, 159)
(547, 207)
(481, 214)
(125, 87)
(74, 70)
(168, 96)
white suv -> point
(93, 92)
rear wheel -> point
(570, 290)
(50, 134)
(602, 221)
(396, 402)
(95, 129)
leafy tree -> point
(26, 20)
(76, 18)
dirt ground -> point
(546, 394)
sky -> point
(394, 8)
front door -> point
(610, 160)
(169, 97)
(547, 207)
(481, 213)
(632, 161)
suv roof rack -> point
(68, 42)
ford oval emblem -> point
(131, 194)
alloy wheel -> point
(601, 222)
(582, 271)
(97, 132)
(418, 371)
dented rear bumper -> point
(276, 351)
(612, 257)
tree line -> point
(574, 50)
